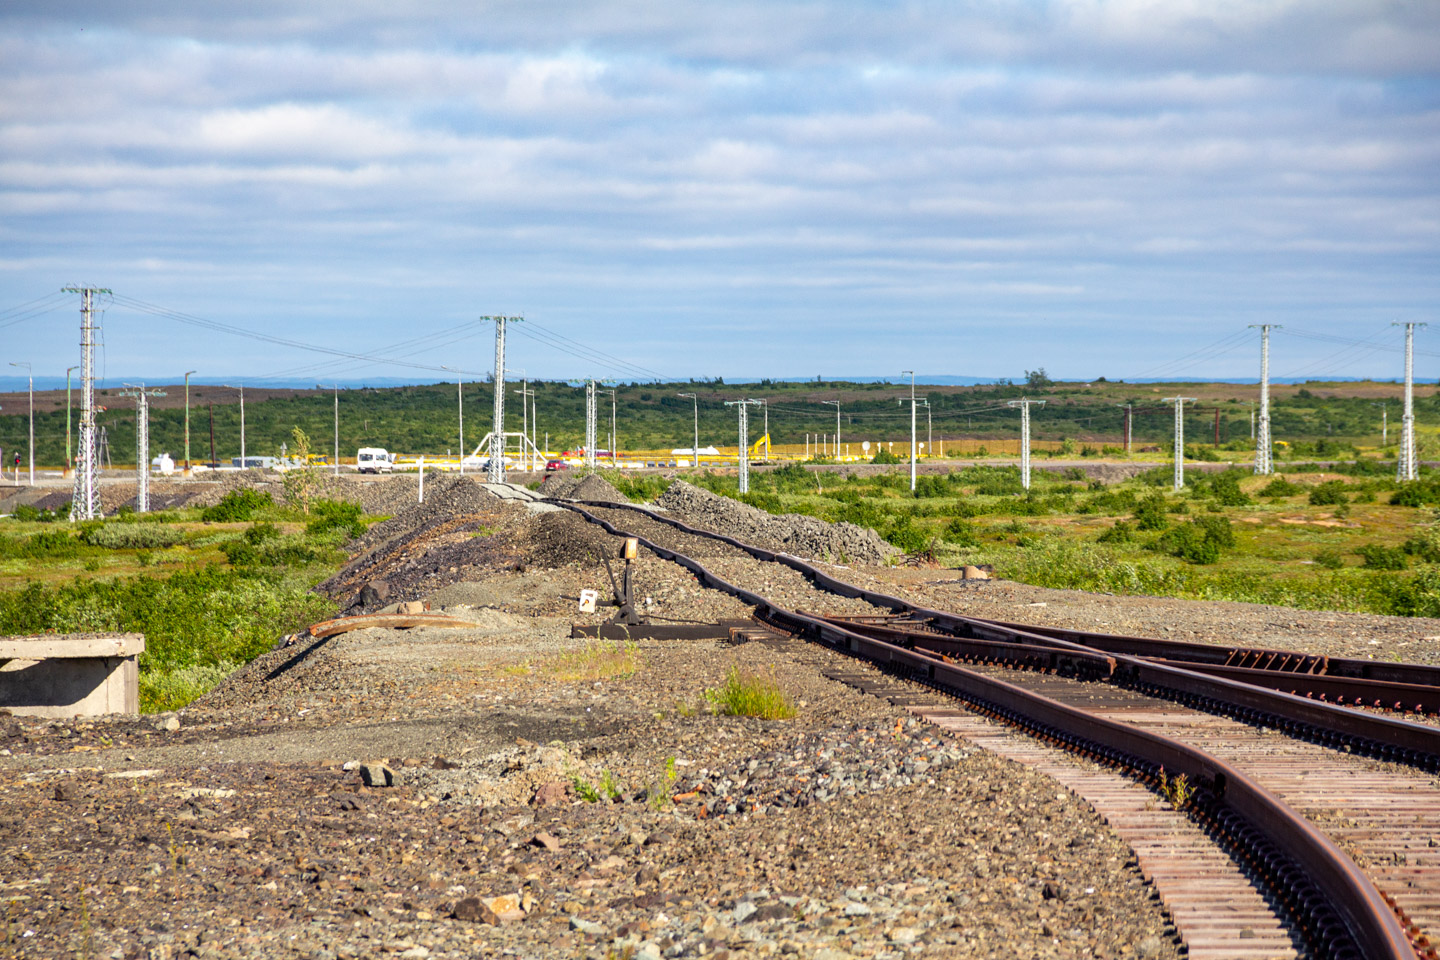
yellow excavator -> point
(755, 447)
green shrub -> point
(114, 535)
(1199, 541)
(902, 533)
(1122, 532)
(962, 533)
(1330, 559)
(341, 515)
(1327, 494)
(1378, 557)
(162, 690)
(29, 514)
(1225, 489)
(1150, 513)
(1280, 487)
(1418, 493)
(883, 455)
(237, 505)
(1424, 545)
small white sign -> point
(865, 446)
(587, 600)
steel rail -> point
(1418, 674)
(1400, 697)
(1340, 911)
(1342, 727)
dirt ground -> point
(551, 799)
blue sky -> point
(701, 189)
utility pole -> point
(460, 410)
(496, 473)
(85, 497)
(241, 388)
(69, 463)
(187, 419)
(1024, 405)
(31, 373)
(212, 435)
(1264, 460)
(913, 437)
(836, 405)
(142, 442)
(1406, 467)
(590, 429)
(929, 431)
(1127, 408)
(744, 470)
(695, 450)
(1179, 438)
(524, 393)
(1384, 423)
(614, 457)
(336, 385)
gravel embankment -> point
(792, 533)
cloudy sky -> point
(1097, 187)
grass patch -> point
(747, 694)
(600, 660)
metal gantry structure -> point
(744, 462)
(591, 389)
(1024, 404)
(496, 470)
(85, 496)
(142, 442)
(1406, 465)
(1264, 460)
(1179, 437)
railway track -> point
(1276, 815)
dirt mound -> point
(595, 487)
(554, 540)
(592, 487)
(792, 533)
(446, 497)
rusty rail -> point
(1339, 910)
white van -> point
(373, 460)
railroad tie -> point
(1217, 910)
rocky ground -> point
(501, 789)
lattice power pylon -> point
(142, 442)
(85, 497)
(591, 430)
(1024, 406)
(1264, 461)
(1406, 466)
(496, 471)
(744, 470)
(1179, 437)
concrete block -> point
(70, 675)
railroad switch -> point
(624, 589)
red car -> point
(556, 465)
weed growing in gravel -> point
(599, 660)
(585, 790)
(747, 694)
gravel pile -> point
(592, 487)
(819, 767)
(446, 497)
(792, 533)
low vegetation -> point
(1345, 537)
(210, 589)
(747, 694)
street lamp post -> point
(614, 457)
(187, 419)
(31, 375)
(695, 450)
(69, 464)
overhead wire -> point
(38, 307)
